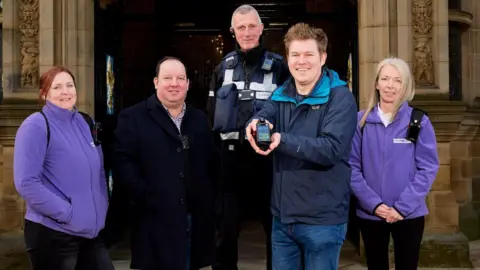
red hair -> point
(47, 78)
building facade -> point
(439, 38)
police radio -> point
(262, 135)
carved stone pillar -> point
(422, 25)
(430, 47)
(20, 50)
(41, 34)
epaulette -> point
(269, 59)
(276, 56)
(233, 53)
(230, 59)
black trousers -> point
(52, 250)
(246, 187)
(407, 237)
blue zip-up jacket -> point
(311, 164)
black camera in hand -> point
(262, 135)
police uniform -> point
(239, 90)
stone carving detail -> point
(28, 27)
(422, 42)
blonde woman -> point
(394, 162)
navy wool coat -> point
(150, 164)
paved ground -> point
(252, 257)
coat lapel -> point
(161, 117)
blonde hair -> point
(407, 91)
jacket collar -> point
(251, 57)
(321, 90)
(374, 118)
(154, 103)
(160, 116)
(59, 113)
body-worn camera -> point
(413, 131)
(262, 135)
(96, 130)
(415, 125)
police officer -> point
(240, 85)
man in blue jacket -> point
(313, 118)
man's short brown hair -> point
(303, 31)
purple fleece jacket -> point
(63, 184)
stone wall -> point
(445, 243)
(465, 153)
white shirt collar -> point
(385, 117)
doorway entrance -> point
(132, 35)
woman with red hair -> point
(58, 170)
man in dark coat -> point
(250, 74)
(164, 156)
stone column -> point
(430, 47)
(20, 50)
(20, 85)
(373, 40)
(67, 38)
(470, 51)
(77, 40)
(38, 35)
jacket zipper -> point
(91, 184)
(247, 76)
(385, 133)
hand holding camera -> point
(258, 134)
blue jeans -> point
(320, 246)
